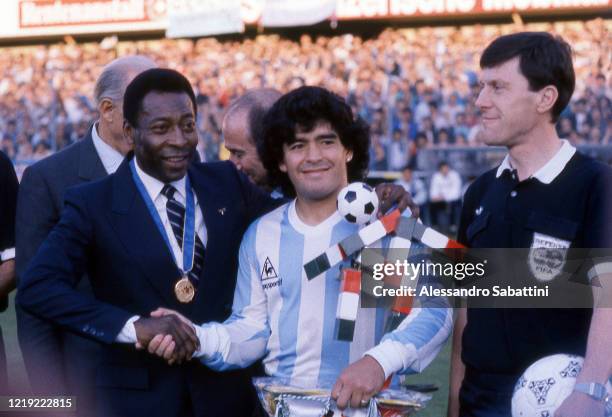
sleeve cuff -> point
(600, 269)
(7, 254)
(128, 332)
(388, 356)
(209, 341)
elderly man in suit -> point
(158, 232)
(60, 362)
(242, 132)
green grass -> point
(16, 371)
(436, 373)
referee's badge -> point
(547, 256)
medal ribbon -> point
(189, 226)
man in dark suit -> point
(8, 201)
(60, 362)
(153, 234)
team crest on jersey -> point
(268, 271)
(269, 276)
(547, 256)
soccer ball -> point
(545, 385)
(358, 203)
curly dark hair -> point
(302, 108)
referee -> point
(544, 194)
(8, 202)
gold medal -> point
(184, 290)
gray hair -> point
(113, 80)
(254, 104)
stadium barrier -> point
(471, 162)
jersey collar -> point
(551, 169)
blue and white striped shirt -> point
(282, 317)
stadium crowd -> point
(415, 87)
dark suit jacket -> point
(8, 201)
(106, 231)
(8, 195)
(57, 362)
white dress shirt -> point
(111, 158)
(154, 187)
(7, 254)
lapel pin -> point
(222, 211)
(479, 211)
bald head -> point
(108, 93)
(256, 98)
(116, 75)
(242, 130)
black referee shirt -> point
(569, 203)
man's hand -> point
(163, 345)
(390, 194)
(182, 334)
(7, 277)
(580, 405)
(358, 383)
(161, 312)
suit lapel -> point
(90, 164)
(141, 238)
(214, 206)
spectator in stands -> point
(460, 127)
(438, 118)
(397, 150)
(453, 108)
(41, 150)
(460, 140)
(417, 190)
(445, 198)
(415, 80)
(8, 147)
(378, 156)
(25, 152)
(564, 127)
(444, 140)
(430, 131)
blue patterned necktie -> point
(176, 215)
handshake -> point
(168, 335)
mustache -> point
(315, 167)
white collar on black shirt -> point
(551, 169)
(154, 186)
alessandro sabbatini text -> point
(487, 278)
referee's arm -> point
(598, 358)
(597, 365)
